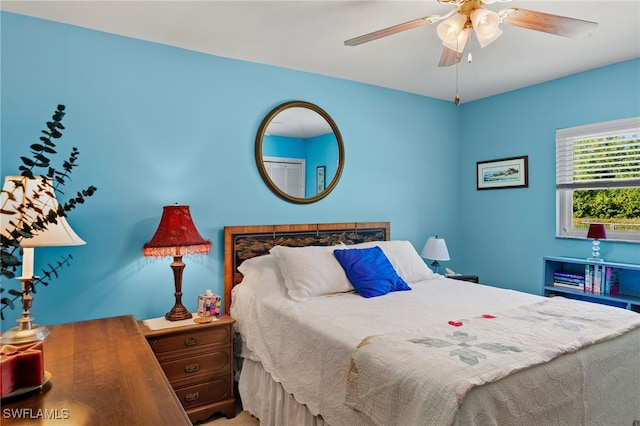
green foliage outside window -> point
(619, 208)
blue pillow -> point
(370, 271)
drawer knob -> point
(191, 341)
(192, 368)
(190, 397)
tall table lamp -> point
(176, 236)
(31, 198)
(596, 232)
(435, 249)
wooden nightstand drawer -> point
(198, 362)
(210, 363)
(218, 389)
(191, 340)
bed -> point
(426, 350)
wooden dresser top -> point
(103, 373)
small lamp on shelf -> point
(176, 236)
(435, 249)
(596, 232)
(32, 198)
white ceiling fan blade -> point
(449, 57)
(426, 20)
(545, 22)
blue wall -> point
(282, 146)
(507, 232)
(158, 125)
(321, 151)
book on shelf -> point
(614, 282)
(569, 280)
(562, 284)
(597, 279)
(593, 279)
(602, 279)
(568, 276)
(606, 280)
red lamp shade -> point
(597, 231)
(176, 235)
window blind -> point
(603, 155)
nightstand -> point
(470, 278)
(198, 361)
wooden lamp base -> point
(178, 312)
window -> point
(598, 179)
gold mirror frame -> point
(259, 157)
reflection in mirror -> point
(299, 152)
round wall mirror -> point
(299, 152)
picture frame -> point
(320, 178)
(512, 172)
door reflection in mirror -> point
(288, 174)
(292, 162)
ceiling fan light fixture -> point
(486, 26)
(449, 29)
(461, 41)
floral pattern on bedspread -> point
(465, 348)
(422, 376)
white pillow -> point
(404, 258)
(261, 276)
(311, 271)
(255, 265)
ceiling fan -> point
(455, 26)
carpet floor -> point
(243, 418)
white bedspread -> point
(307, 346)
(421, 377)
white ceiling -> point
(298, 122)
(308, 36)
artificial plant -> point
(38, 163)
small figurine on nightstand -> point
(208, 307)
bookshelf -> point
(625, 275)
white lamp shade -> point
(435, 249)
(449, 29)
(486, 24)
(460, 43)
(56, 234)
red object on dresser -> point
(21, 366)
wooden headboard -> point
(244, 242)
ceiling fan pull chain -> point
(456, 100)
